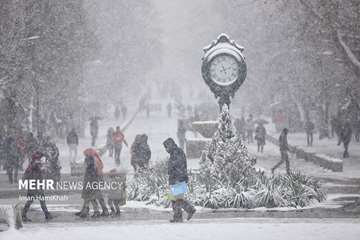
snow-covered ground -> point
(254, 229)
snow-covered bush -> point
(227, 178)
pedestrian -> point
(169, 109)
(109, 141)
(250, 129)
(181, 132)
(118, 140)
(334, 124)
(94, 129)
(240, 127)
(177, 170)
(123, 110)
(140, 152)
(116, 196)
(31, 145)
(51, 152)
(91, 192)
(117, 113)
(309, 130)
(13, 159)
(346, 135)
(72, 141)
(260, 137)
(357, 130)
(284, 148)
(34, 172)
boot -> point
(191, 214)
(113, 212)
(84, 214)
(176, 220)
(105, 213)
(117, 211)
(96, 214)
(82, 210)
(25, 218)
(48, 216)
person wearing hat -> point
(34, 172)
(177, 170)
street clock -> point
(223, 68)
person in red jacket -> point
(118, 140)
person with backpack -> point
(118, 140)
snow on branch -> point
(347, 50)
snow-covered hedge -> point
(227, 178)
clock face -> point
(224, 69)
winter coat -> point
(94, 127)
(177, 166)
(91, 177)
(34, 172)
(309, 127)
(109, 137)
(239, 125)
(283, 143)
(346, 134)
(72, 138)
(250, 125)
(118, 138)
(12, 153)
(260, 134)
(140, 151)
(31, 145)
(99, 165)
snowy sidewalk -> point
(236, 228)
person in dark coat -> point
(123, 111)
(177, 170)
(13, 159)
(346, 135)
(117, 113)
(284, 148)
(94, 129)
(140, 152)
(250, 129)
(260, 137)
(109, 141)
(92, 177)
(169, 109)
(309, 129)
(72, 141)
(31, 145)
(34, 172)
(51, 152)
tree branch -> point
(348, 51)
